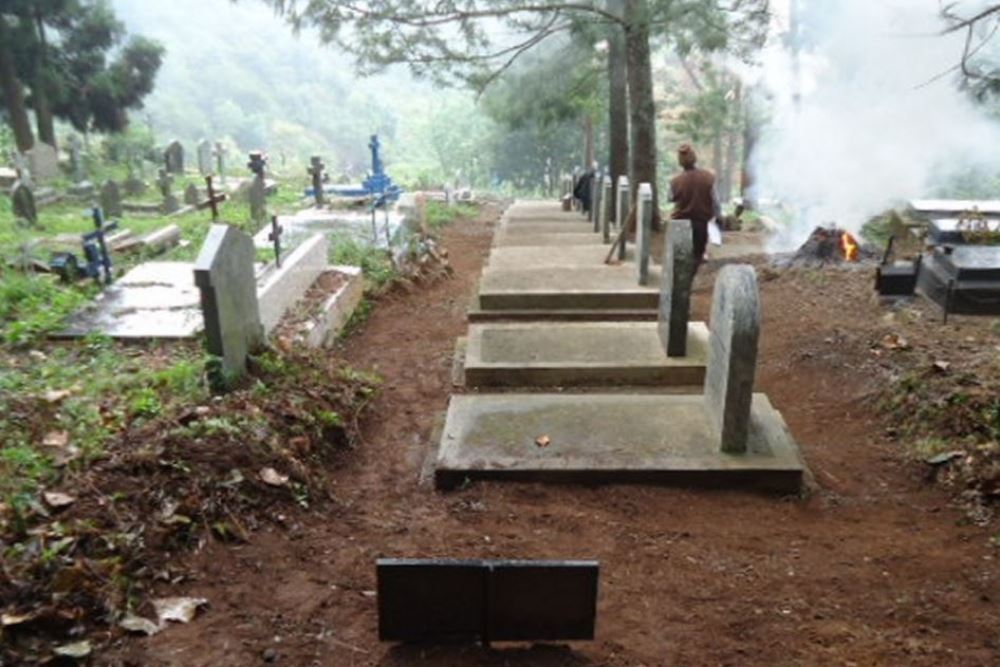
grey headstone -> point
(166, 182)
(173, 158)
(43, 160)
(111, 199)
(449, 600)
(75, 157)
(135, 186)
(205, 157)
(621, 219)
(732, 356)
(258, 200)
(644, 231)
(191, 196)
(676, 275)
(224, 274)
(23, 203)
(606, 212)
(220, 160)
(596, 200)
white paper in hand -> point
(714, 233)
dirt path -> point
(875, 568)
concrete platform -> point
(580, 353)
(524, 257)
(581, 288)
(513, 228)
(610, 438)
(503, 240)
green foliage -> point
(374, 262)
(33, 306)
(440, 214)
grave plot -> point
(954, 208)
(598, 287)
(964, 279)
(671, 351)
(728, 436)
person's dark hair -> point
(686, 156)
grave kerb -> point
(285, 286)
(644, 230)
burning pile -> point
(831, 245)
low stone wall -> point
(338, 308)
(285, 286)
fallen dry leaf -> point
(10, 620)
(56, 395)
(895, 342)
(56, 439)
(179, 609)
(57, 499)
(80, 649)
(543, 441)
(272, 477)
(133, 623)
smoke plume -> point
(880, 117)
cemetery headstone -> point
(43, 160)
(606, 204)
(191, 197)
(173, 158)
(258, 189)
(23, 203)
(316, 171)
(675, 288)
(595, 199)
(224, 274)
(732, 356)
(644, 230)
(95, 249)
(205, 157)
(220, 160)
(166, 183)
(111, 199)
(621, 219)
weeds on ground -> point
(438, 214)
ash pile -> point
(831, 246)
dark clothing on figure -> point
(581, 191)
(693, 194)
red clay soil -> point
(876, 567)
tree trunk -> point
(642, 109)
(732, 141)
(618, 104)
(13, 94)
(588, 142)
(40, 91)
(751, 132)
(720, 171)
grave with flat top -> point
(964, 279)
(504, 240)
(726, 436)
(671, 351)
(592, 287)
(514, 257)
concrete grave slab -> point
(286, 285)
(580, 353)
(502, 240)
(153, 300)
(612, 438)
(591, 287)
(513, 228)
(446, 600)
(518, 257)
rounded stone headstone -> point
(111, 199)
(732, 356)
(644, 230)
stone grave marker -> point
(316, 171)
(191, 196)
(443, 600)
(644, 230)
(166, 183)
(173, 158)
(606, 212)
(676, 275)
(596, 194)
(621, 218)
(22, 200)
(213, 199)
(220, 160)
(258, 188)
(21, 169)
(205, 157)
(43, 160)
(224, 275)
(111, 199)
(732, 356)
(75, 157)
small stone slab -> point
(579, 353)
(675, 287)
(514, 228)
(944, 208)
(612, 438)
(445, 600)
(153, 300)
(592, 288)
(502, 240)
(525, 257)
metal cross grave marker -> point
(275, 238)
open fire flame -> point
(849, 247)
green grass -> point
(374, 262)
(440, 214)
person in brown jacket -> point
(694, 197)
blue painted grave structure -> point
(97, 259)
(377, 185)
